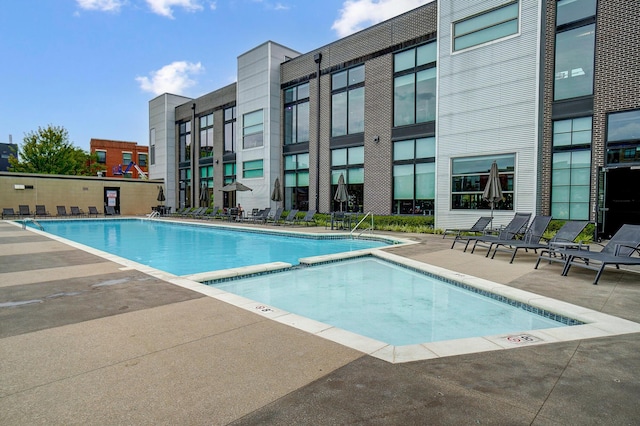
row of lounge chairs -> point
(264, 216)
(622, 249)
(41, 211)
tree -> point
(49, 151)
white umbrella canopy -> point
(341, 193)
(493, 191)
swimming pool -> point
(188, 248)
(390, 303)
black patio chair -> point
(41, 211)
(477, 228)
(24, 210)
(622, 249)
(61, 211)
(76, 211)
(93, 211)
(532, 239)
(509, 232)
(8, 212)
(291, 217)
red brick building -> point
(122, 159)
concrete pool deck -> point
(84, 340)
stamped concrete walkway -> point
(88, 341)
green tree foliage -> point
(49, 151)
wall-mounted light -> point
(376, 139)
(217, 161)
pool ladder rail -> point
(369, 229)
(29, 219)
(153, 215)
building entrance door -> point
(621, 199)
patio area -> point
(85, 340)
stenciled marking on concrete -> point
(522, 339)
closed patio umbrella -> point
(493, 191)
(235, 186)
(276, 194)
(204, 196)
(341, 193)
(161, 197)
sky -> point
(92, 66)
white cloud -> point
(164, 7)
(101, 5)
(356, 15)
(173, 78)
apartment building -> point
(413, 111)
(121, 159)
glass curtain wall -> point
(470, 176)
(348, 162)
(296, 114)
(347, 102)
(229, 129)
(206, 136)
(296, 182)
(414, 85)
(414, 176)
(571, 172)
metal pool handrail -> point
(358, 224)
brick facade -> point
(114, 156)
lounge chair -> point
(76, 212)
(110, 211)
(213, 214)
(477, 228)
(8, 212)
(261, 216)
(24, 210)
(93, 211)
(509, 232)
(564, 239)
(41, 211)
(275, 217)
(195, 212)
(620, 250)
(308, 218)
(180, 211)
(532, 239)
(291, 217)
(62, 211)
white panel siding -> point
(487, 105)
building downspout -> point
(318, 59)
(194, 167)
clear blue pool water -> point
(386, 302)
(184, 249)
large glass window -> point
(347, 102)
(575, 46)
(568, 11)
(296, 114)
(296, 182)
(102, 156)
(230, 129)
(184, 136)
(252, 169)
(623, 137)
(486, 27)
(571, 169)
(574, 62)
(206, 135)
(414, 173)
(142, 160)
(253, 129)
(348, 162)
(206, 180)
(414, 85)
(469, 178)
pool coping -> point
(596, 324)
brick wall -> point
(114, 155)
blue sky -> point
(91, 66)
